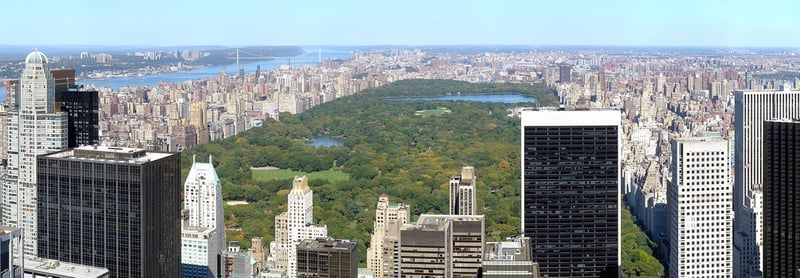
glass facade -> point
(118, 214)
(781, 195)
(82, 117)
(571, 199)
(200, 271)
(326, 257)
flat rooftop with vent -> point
(118, 154)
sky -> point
(722, 23)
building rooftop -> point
(327, 243)
(365, 272)
(785, 120)
(36, 57)
(8, 230)
(583, 117)
(53, 268)
(195, 232)
(514, 249)
(437, 222)
(104, 153)
(300, 186)
(699, 139)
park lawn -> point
(283, 174)
(433, 112)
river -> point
(310, 57)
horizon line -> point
(410, 45)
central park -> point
(388, 146)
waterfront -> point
(310, 57)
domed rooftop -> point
(36, 57)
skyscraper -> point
(203, 229)
(294, 226)
(462, 192)
(327, 257)
(384, 246)
(751, 109)
(117, 208)
(442, 246)
(564, 74)
(646, 112)
(81, 106)
(781, 195)
(197, 118)
(571, 191)
(748, 242)
(257, 250)
(35, 127)
(602, 81)
(4, 137)
(700, 223)
(83, 118)
(63, 80)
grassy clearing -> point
(433, 112)
(283, 174)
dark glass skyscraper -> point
(82, 107)
(781, 198)
(117, 208)
(83, 120)
(564, 74)
(570, 191)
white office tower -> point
(699, 209)
(34, 128)
(752, 108)
(462, 192)
(203, 227)
(294, 226)
(747, 249)
(383, 253)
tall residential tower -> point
(203, 227)
(462, 192)
(384, 246)
(294, 226)
(35, 127)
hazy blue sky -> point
(406, 22)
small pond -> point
(325, 141)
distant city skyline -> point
(722, 23)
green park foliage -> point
(285, 174)
(637, 250)
(387, 149)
